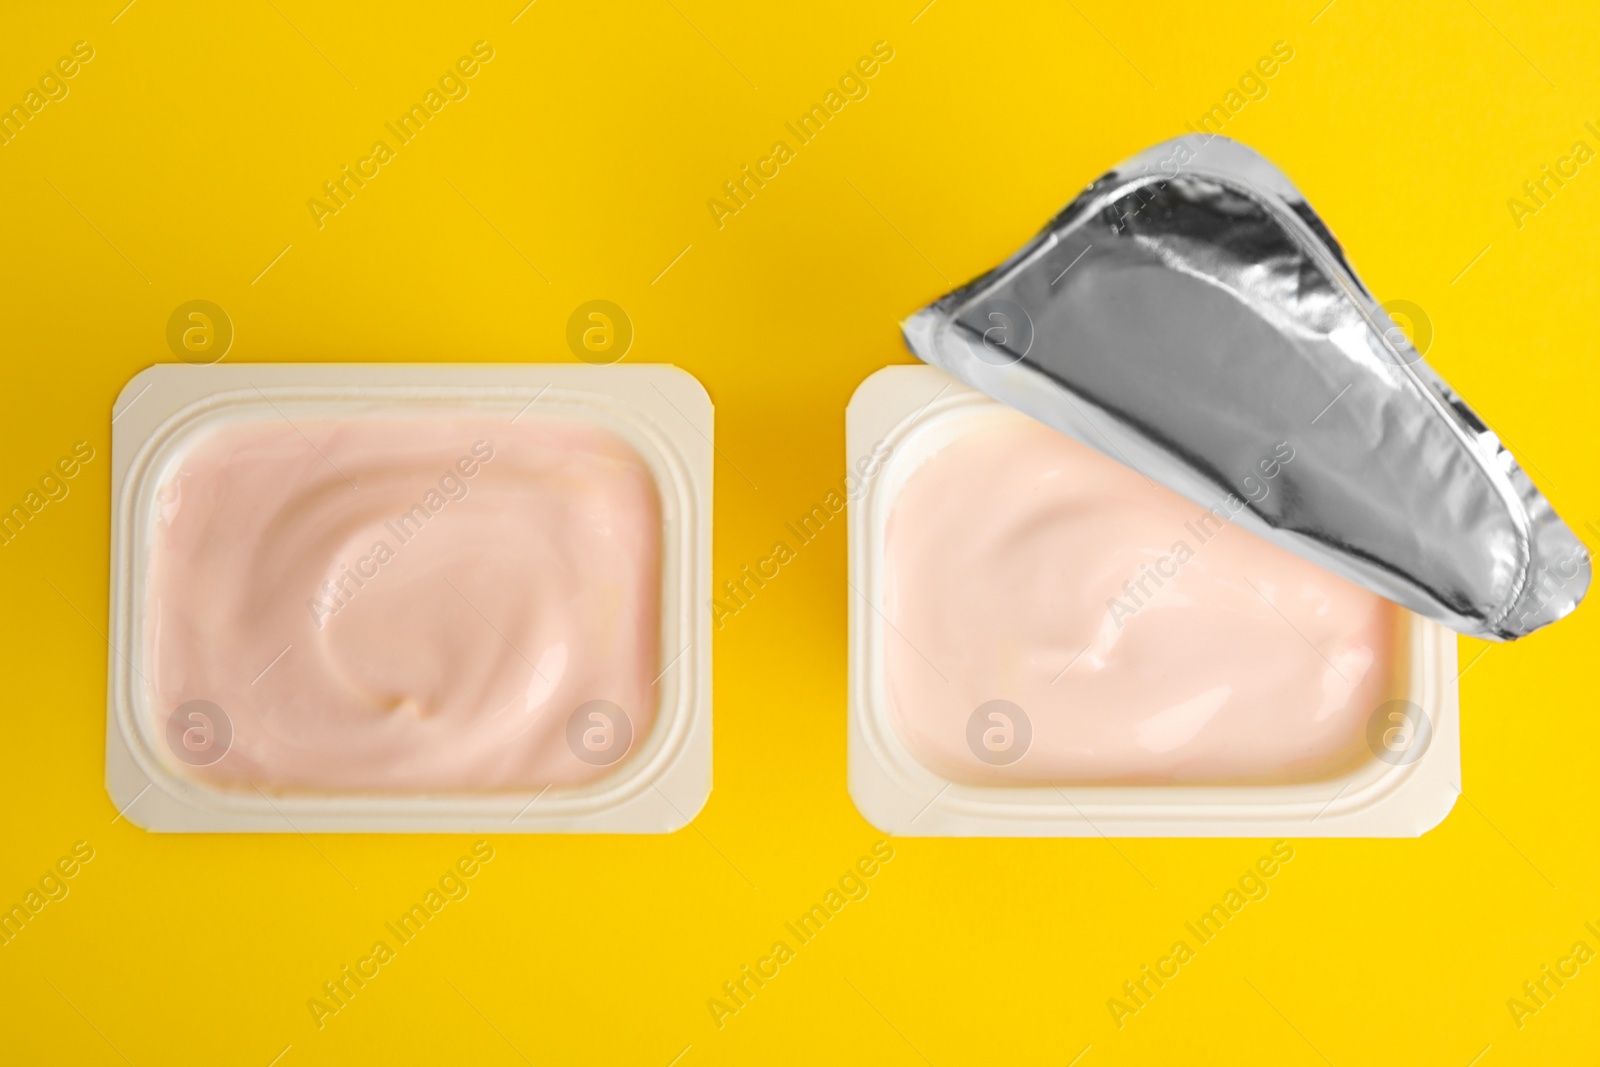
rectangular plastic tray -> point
(917, 410)
(661, 411)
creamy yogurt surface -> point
(1054, 617)
(406, 605)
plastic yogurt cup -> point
(1044, 642)
(410, 598)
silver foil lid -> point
(1191, 316)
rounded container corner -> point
(688, 387)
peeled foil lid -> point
(1190, 316)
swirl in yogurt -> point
(406, 605)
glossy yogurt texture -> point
(1142, 638)
(387, 606)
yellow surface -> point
(179, 165)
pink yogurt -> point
(1143, 638)
(391, 606)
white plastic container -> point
(912, 412)
(660, 411)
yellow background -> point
(180, 165)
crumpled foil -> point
(1191, 316)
